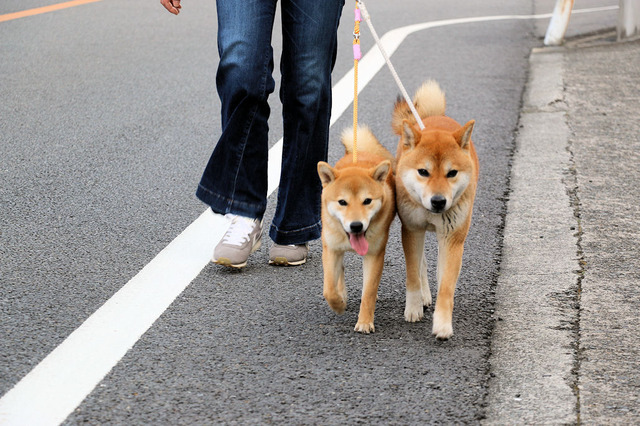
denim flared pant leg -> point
(235, 179)
(309, 53)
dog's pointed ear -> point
(463, 134)
(326, 172)
(410, 136)
(381, 171)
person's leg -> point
(309, 51)
(235, 178)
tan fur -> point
(429, 198)
(429, 101)
(366, 189)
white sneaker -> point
(243, 237)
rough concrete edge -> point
(571, 183)
(544, 94)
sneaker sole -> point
(224, 261)
(282, 261)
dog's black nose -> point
(438, 202)
(356, 227)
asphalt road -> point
(108, 115)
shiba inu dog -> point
(436, 178)
(358, 206)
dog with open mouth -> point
(358, 206)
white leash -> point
(367, 18)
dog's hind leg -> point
(334, 290)
(413, 245)
(424, 282)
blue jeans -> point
(235, 178)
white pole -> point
(629, 20)
(559, 22)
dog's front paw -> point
(442, 327)
(362, 327)
(337, 303)
(413, 310)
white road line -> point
(58, 384)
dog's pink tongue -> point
(359, 243)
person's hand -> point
(172, 6)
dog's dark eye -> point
(366, 201)
(452, 173)
(342, 202)
(423, 172)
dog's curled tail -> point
(367, 142)
(429, 101)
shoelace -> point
(239, 230)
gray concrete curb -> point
(533, 377)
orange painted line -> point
(45, 9)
